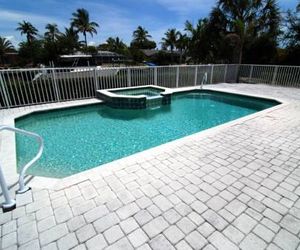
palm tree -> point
(240, 15)
(69, 41)
(216, 34)
(195, 32)
(26, 28)
(81, 22)
(198, 42)
(170, 40)
(5, 47)
(115, 44)
(270, 18)
(141, 39)
(292, 23)
(182, 44)
(140, 35)
(52, 32)
(248, 19)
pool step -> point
(154, 101)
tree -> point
(141, 39)
(68, 42)
(240, 15)
(292, 37)
(162, 58)
(81, 22)
(269, 20)
(140, 35)
(249, 19)
(26, 28)
(32, 53)
(5, 47)
(51, 47)
(90, 49)
(182, 44)
(292, 23)
(52, 32)
(261, 50)
(217, 30)
(114, 45)
(170, 41)
(198, 36)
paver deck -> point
(234, 187)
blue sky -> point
(116, 17)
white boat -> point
(86, 72)
(75, 73)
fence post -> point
(128, 77)
(155, 75)
(251, 72)
(225, 73)
(4, 91)
(55, 84)
(275, 75)
(196, 76)
(177, 77)
(96, 79)
(211, 74)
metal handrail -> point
(10, 203)
(204, 79)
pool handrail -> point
(9, 203)
(204, 79)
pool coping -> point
(109, 168)
(110, 92)
(128, 101)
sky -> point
(115, 17)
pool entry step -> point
(154, 101)
(142, 97)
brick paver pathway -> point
(238, 187)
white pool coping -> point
(8, 147)
(112, 94)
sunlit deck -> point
(233, 186)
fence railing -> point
(288, 76)
(21, 87)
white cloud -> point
(13, 40)
(187, 6)
(114, 19)
(92, 43)
(9, 20)
(158, 34)
(18, 16)
(9, 38)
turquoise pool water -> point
(81, 138)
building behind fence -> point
(45, 85)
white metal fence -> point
(287, 76)
(23, 87)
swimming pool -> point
(78, 139)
